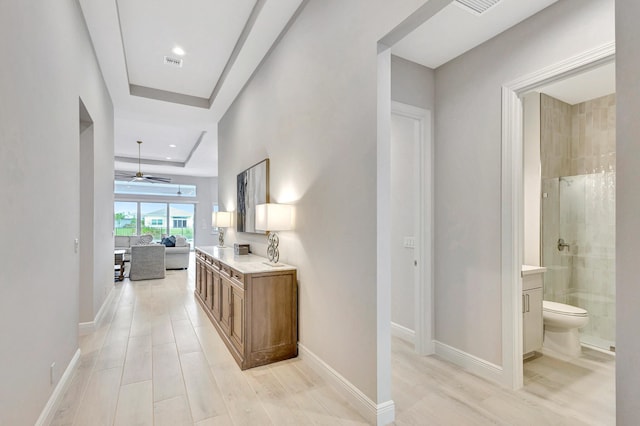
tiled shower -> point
(578, 206)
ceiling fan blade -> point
(139, 176)
(158, 179)
(123, 175)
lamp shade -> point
(273, 217)
(221, 219)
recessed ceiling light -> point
(172, 146)
(168, 158)
(178, 50)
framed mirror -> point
(252, 189)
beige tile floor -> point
(427, 390)
(157, 360)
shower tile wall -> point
(577, 139)
(555, 137)
(579, 205)
(593, 136)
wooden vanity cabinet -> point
(253, 306)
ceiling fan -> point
(139, 177)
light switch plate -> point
(409, 242)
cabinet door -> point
(199, 274)
(215, 294)
(532, 327)
(208, 293)
(237, 318)
(225, 304)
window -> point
(179, 223)
(125, 218)
(161, 189)
(214, 229)
(181, 216)
(153, 217)
(137, 218)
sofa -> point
(176, 257)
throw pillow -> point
(181, 241)
(146, 239)
(169, 241)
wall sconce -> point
(271, 218)
(221, 220)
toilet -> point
(561, 324)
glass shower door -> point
(578, 248)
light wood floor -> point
(157, 360)
(428, 390)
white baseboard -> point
(56, 397)
(85, 328)
(380, 414)
(470, 363)
(403, 333)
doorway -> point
(411, 310)
(513, 195)
(85, 243)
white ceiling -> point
(589, 85)
(206, 30)
(224, 41)
(456, 30)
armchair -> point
(147, 262)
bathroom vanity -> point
(532, 294)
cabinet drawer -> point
(237, 277)
(532, 281)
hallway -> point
(157, 360)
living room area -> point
(157, 225)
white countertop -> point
(245, 264)
(530, 270)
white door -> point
(410, 225)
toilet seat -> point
(562, 309)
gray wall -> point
(412, 83)
(468, 164)
(206, 196)
(311, 108)
(627, 207)
(52, 66)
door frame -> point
(423, 227)
(384, 405)
(512, 198)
